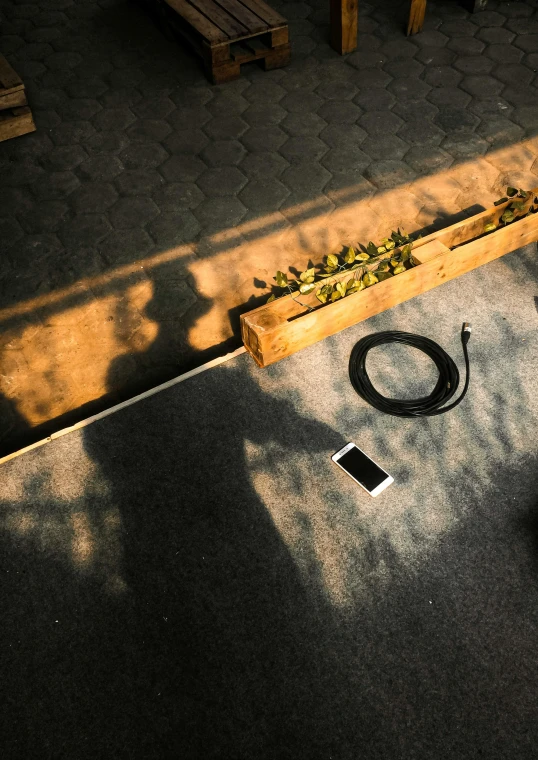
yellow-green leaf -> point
(389, 245)
(381, 249)
(272, 297)
(369, 279)
(489, 227)
(383, 267)
(383, 276)
(395, 262)
(281, 279)
(508, 216)
(341, 288)
(306, 287)
(332, 261)
(511, 191)
(335, 295)
(349, 257)
(307, 275)
(501, 200)
(399, 269)
(362, 256)
(321, 296)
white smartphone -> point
(362, 469)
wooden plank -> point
(10, 81)
(429, 251)
(229, 25)
(266, 13)
(344, 23)
(417, 13)
(245, 16)
(12, 99)
(197, 20)
(269, 336)
(277, 58)
(16, 122)
(280, 36)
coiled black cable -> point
(446, 386)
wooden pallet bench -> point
(15, 116)
(227, 33)
(282, 327)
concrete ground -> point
(191, 577)
(150, 207)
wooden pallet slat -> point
(228, 24)
(15, 122)
(241, 12)
(198, 21)
(284, 326)
(266, 13)
(10, 81)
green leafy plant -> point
(523, 204)
(367, 265)
(373, 263)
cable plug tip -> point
(467, 327)
(466, 333)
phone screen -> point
(362, 468)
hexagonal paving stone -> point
(426, 133)
(182, 168)
(514, 74)
(105, 142)
(228, 103)
(10, 232)
(340, 112)
(466, 46)
(263, 194)
(389, 174)
(474, 64)
(307, 125)
(37, 251)
(226, 128)
(132, 212)
(527, 116)
(409, 89)
(431, 38)
(120, 98)
(442, 76)
(343, 135)
(226, 181)
(527, 42)
(139, 181)
(90, 88)
(372, 99)
(84, 229)
(93, 197)
(126, 246)
(449, 96)
(459, 28)
(131, 77)
(456, 119)
(264, 91)
(55, 185)
(79, 109)
(491, 106)
(496, 36)
(154, 108)
(45, 216)
(368, 59)
(100, 168)
(175, 228)
(380, 122)
(256, 115)
(305, 178)
(223, 153)
(64, 158)
(148, 130)
(263, 165)
(384, 146)
(62, 61)
(178, 195)
(499, 131)
(428, 160)
(189, 141)
(518, 96)
(337, 90)
(264, 138)
(436, 56)
(113, 119)
(504, 53)
(215, 214)
(301, 102)
(143, 156)
(481, 86)
(194, 117)
(406, 67)
(399, 48)
(339, 159)
(465, 145)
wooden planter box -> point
(282, 327)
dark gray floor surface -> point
(192, 577)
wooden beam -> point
(416, 16)
(344, 22)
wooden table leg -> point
(416, 16)
(344, 19)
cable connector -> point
(466, 332)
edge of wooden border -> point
(125, 404)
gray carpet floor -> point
(192, 577)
